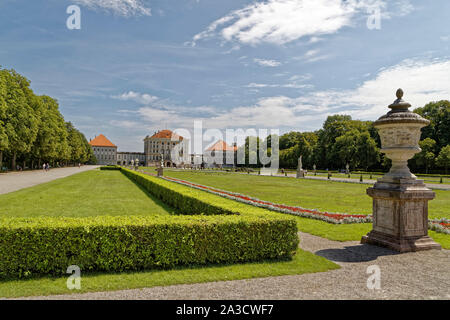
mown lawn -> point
(311, 194)
(322, 195)
(111, 193)
(89, 193)
(303, 262)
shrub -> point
(48, 245)
(110, 168)
(227, 232)
(179, 197)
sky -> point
(137, 66)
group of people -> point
(46, 166)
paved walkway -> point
(13, 181)
(416, 275)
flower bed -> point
(331, 217)
(438, 225)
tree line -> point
(33, 131)
(342, 141)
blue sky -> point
(137, 66)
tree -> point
(443, 159)
(368, 151)
(21, 121)
(439, 115)
(3, 108)
(51, 140)
(346, 149)
(427, 155)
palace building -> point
(104, 150)
(220, 154)
(172, 148)
(169, 146)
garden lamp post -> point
(400, 200)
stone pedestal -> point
(400, 200)
(400, 216)
(300, 174)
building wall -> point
(214, 159)
(105, 155)
(124, 158)
(154, 147)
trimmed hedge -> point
(48, 245)
(179, 197)
(110, 168)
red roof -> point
(221, 146)
(101, 141)
(167, 134)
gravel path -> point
(416, 275)
(14, 181)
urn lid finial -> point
(399, 105)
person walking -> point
(44, 167)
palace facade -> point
(164, 144)
(104, 150)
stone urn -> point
(400, 200)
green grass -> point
(89, 193)
(341, 197)
(311, 194)
(303, 262)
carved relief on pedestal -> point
(392, 137)
(385, 217)
(413, 218)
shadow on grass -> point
(158, 201)
(188, 267)
(357, 253)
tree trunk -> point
(13, 162)
(1, 160)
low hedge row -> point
(179, 197)
(48, 245)
(110, 168)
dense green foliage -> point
(33, 131)
(110, 168)
(46, 245)
(343, 140)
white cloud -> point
(142, 98)
(312, 55)
(422, 81)
(124, 124)
(283, 21)
(267, 63)
(120, 7)
(293, 85)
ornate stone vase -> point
(400, 200)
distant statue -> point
(300, 171)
